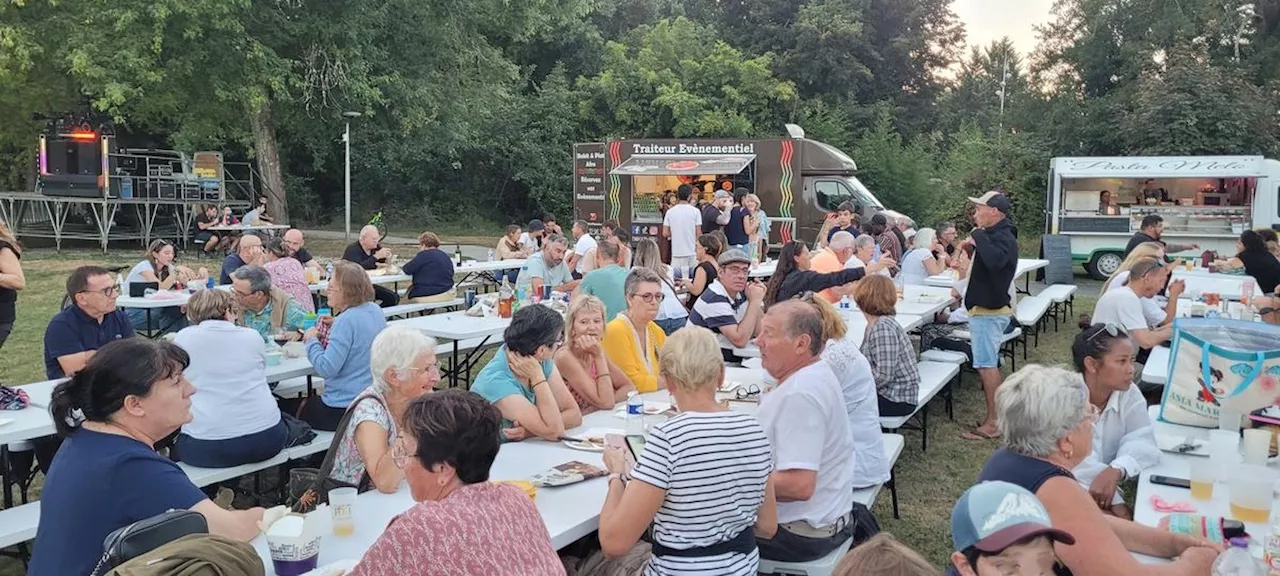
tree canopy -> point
(472, 107)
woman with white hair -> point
(926, 259)
(404, 366)
(1046, 419)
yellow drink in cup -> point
(1251, 487)
(1202, 490)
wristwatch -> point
(1124, 474)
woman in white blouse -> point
(925, 260)
(1124, 442)
(234, 417)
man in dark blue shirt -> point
(92, 320)
(249, 251)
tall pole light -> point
(346, 141)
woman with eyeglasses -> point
(404, 366)
(1047, 422)
(524, 383)
(158, 269)
(595, 382)
(887, 347)
(672, 315)
(633, 338)
(462, 524)
(1124, 442)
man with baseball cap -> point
(995, 259)
(999, 529)
(732, 306)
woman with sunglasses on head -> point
(1124, 442)
(524, 383)
(632, 339)
(159, 269)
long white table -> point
(1025, 267)
(856, 327)
(457, 326)
(1179, 466)
(763, 270)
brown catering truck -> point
(799, 181)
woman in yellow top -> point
(632, 338)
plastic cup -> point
(1256, 446)
(1203, 475)
(1251, 488)
(1224, 448)
(1229, 420)
(342, 502)
(274, 357)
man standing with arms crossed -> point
(995, 260)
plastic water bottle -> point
(524, 287)
(635, 414)
(844, 303)
(491, 254)
(1236, 561)
(209, 283)
(1271, 552)
(329, 271)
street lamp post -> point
(346, 140)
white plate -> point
(650, 409)
(589, 435)
(334, 568)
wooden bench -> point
(404, 310)
(893, 444)
(934, 378)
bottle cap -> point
(1239, 542)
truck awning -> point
(682, 164)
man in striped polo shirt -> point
(731, 307)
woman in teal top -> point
(522, 381)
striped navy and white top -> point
(714, 467)
(715, 310)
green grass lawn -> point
(928, 483)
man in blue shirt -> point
(249, 252)
(76, 333)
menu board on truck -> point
(589, 184)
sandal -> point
(976, 435)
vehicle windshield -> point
(862, 196)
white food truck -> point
(1205, 200)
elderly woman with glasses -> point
(524, 383)
(632, 339)
(404, 367)
(1124, 442)
(462, 523)
(1047, 421)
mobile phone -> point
(1170, 481)
(635, 443)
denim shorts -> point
(985, 333)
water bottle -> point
(209, 283)
(491, 254)
(524, 287)
(635, 414)
(844, 303)
(329, 271)
(1236, 561)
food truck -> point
(1205, 200)
(799, 181)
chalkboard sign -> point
(1057, 250)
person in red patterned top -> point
(462, 524)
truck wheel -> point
(1104, 264)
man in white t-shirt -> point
(1122, 305)
(584, 243)
(804, 418)
(682, 225)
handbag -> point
(146, 535)
(196, 555)
(309, 487)
(1217, 363)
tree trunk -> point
(267, 153)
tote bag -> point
(1219, 362)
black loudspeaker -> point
(74, 167)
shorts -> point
(203, 237)
(985, 334)
(685, 264)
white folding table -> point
(458, 326)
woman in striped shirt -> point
(702, 478)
